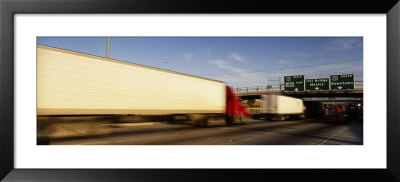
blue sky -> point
(238, 61)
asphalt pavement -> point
(255, 132)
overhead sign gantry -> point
(320, 84)
(342, 82)
(297, 83)
(294, 83)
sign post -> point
(342, 82)
(320, 84)
(294, 83)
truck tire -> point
(199, 119)
(228, 120)
(281, 118)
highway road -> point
(255, 132)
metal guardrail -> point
(357, 85)
(257, 88)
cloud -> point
(239, 77)
(236, 57)
(330, 67)
(187, 56)
(327, 69)
(343, 44)
(303, 55)
(224, 65)
(241, 72)
(282, 62)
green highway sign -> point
(342, 82)
(294, 83)
(320, 84)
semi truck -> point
(281, 107)
(74, 84)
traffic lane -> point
(154, 128)
(315, 134)
(354, 132)
(247, 134)
(303, 132)
(283, 133)
(251, 134)
(300, 132)
(163, 133)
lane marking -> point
(336, 134)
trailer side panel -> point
(70, 83)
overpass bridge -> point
(248, 93)
(313, 100)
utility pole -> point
(108, 47)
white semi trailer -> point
(72, 83)
(281, 107)
(84, 92)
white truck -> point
(73, 83)
(70, 83)
(86, 94)
(281, 107)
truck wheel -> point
(256, 116)
(204, 122)
(228, 120)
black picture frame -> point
(9, 8)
